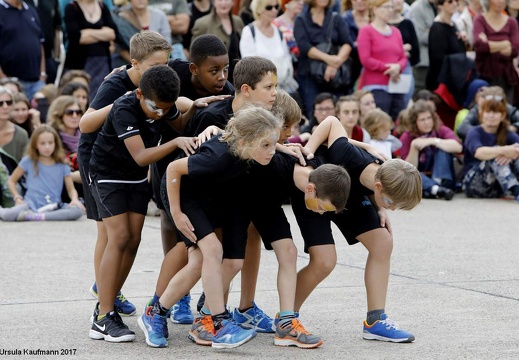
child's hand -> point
(208, 133)
(205, 101)
(295, 150)
(184, 225)
(187, 144)
(384, 220)
(78, 204)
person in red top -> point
(347, 109)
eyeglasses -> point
(324, 109)
(71, 112)
(6, 102)
(493, 97)
(270, 7)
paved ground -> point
(454, 284)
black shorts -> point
(118, 198)
(90, 202)
(360, 217)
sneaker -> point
(95, 314)
(200, 302)
(111, 328)
(166, 331)
(202, 331)
(181, 311)
(276, 319)
(231, 335)
(294, 334)
(386, 330)
(254, 318)
(29, 215)
(153, 328)
(445, 193)
(121, 304)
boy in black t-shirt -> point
(124, 148)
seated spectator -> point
(80, 76)
(324, 106)
(46, 174)
(347, 109)
(79, 91)
(430, 146)
(367, 103)
(378, 124)
(13, 139)
(474, 115)
(42, 100)
(491, 166)
(12, 84)
(23, 115)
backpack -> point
(253, 31)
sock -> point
(434, 189)
(373, 316)
(159, 309)
(205, 311)
(244, 310)
(285, 318)
(101, 316)
(218, 318)
(154, 299)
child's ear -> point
(309, 188)
(245, 89)
(138, 93)
(378, 186)
(135, 64)
(193, 69)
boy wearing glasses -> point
(118, 179)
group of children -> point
(226, 171)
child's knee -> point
(232, 266)
(286, 251)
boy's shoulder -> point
(112, 88)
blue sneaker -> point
(254, 318)
(386, 330)
(121, 304)
(181, 311)
(231, 335)
(148, 303)
(153, 328)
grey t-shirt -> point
(171, 7)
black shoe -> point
(445, 193)
(200, 303)
(111, 328)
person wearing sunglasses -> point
(13, 138)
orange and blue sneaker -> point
(231, 335)
(152, 324)
(202, 331)
(254, 318)
(386, 330)
(121, 304)
(293, 333)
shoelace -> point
(298, 327)
(121, 297)
(259, 314)
(390, 324)
(157, 324)
(207, 324)
(184, 306)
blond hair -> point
(287, 109)
(401, 182)
(57, 110)
(145, 43)
(375, 121)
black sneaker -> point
(445, 193)
(111, 328)
(95, 314)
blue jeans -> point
(442, 171)
(31, 87)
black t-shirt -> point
(110, 90)
(111, 159)
(217, 113)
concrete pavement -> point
(454, 283)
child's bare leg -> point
(168, 233)
(102, 240)
(212, 273)
(322, 261)
(173, 262)
(230, 268)
(250, 268)
(286, 254)
(379, 244)
(136, 222)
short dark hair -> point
(160, 83)
(69, 88)
(322, 97)
(333, 183)
(251, 70)
(204, 46)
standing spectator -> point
(422, 15)
(226, 26)
(285, 23)
(429, 145)
(245, 12)
(444, 39)
(356, 17)
(381, 53)
(13, 139)
(178, 16)
(512, 9)
(90, 29)
(491, 151)
(50, 20)
(198, 9)
(496, 42)
(310, 29)
(262, 38)
(21, 45)
(465, 22)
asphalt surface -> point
(454, 284)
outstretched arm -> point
(329, 130)
(94, 119)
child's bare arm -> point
(11, 183)
(174, 174)
(329, 130)
(145, 156)
(188, 107)
(94, 119)
(72, 193)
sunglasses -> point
(270, 7)
(494, 97)
(6, 102)
(71, 112)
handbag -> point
(317, 67)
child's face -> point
(212, 73)
(424, 122)
(156, 58)
(286, 132)
(383, 132)
(349, 114)
(381, 199)
(266, 149)
(46, 144)
(155, 110)
(265, 91)
(71, 117)
(323, 110)
(20, 112)
(81, 97)
(367, 103)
